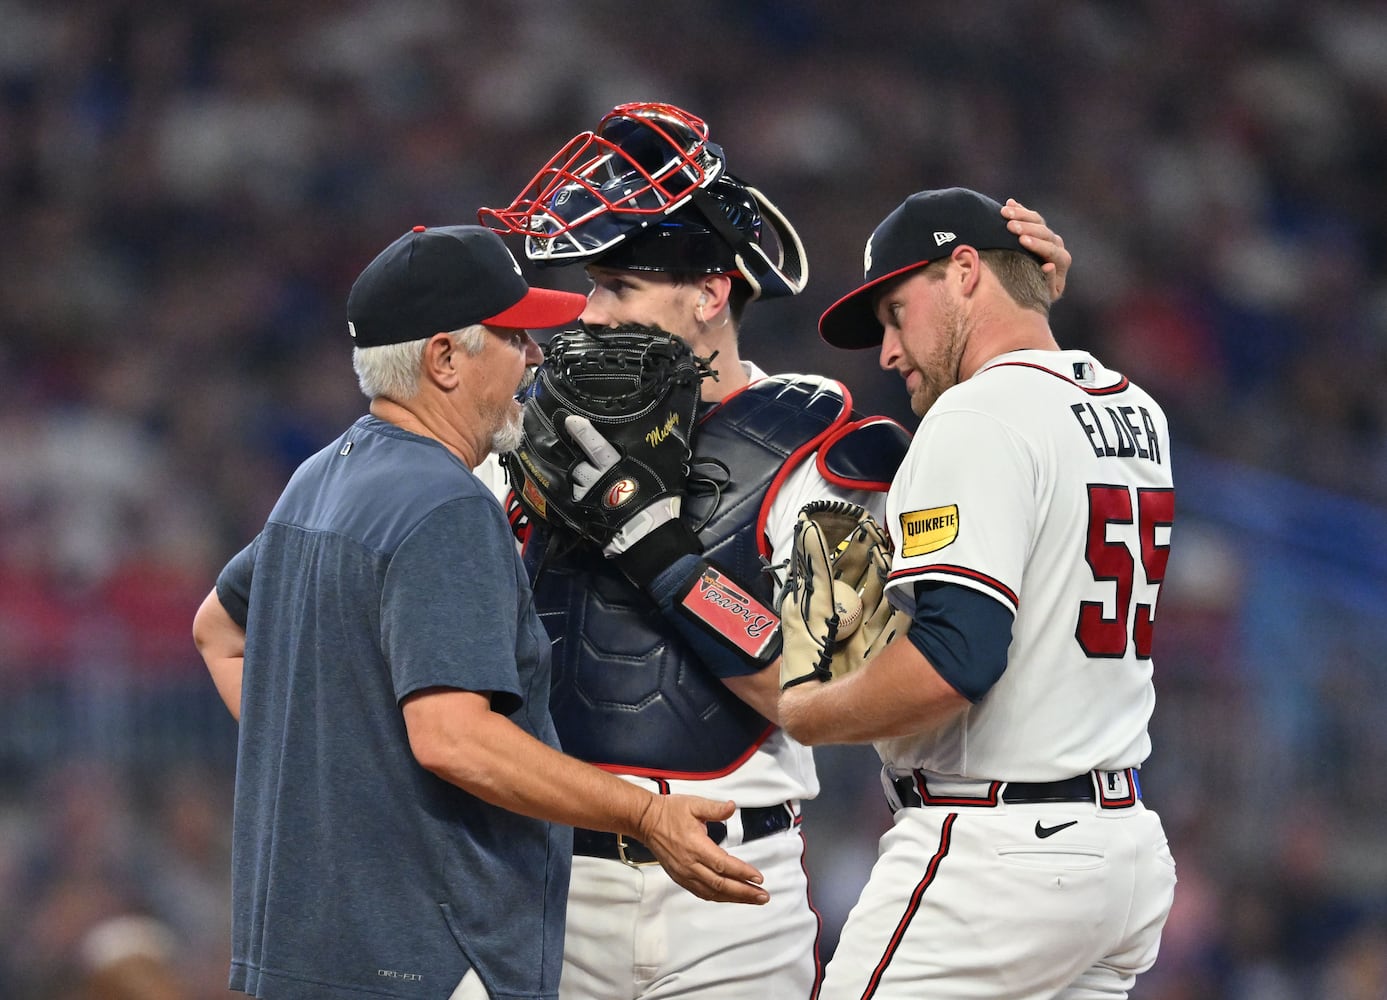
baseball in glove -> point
(609, 426)
(833, 613)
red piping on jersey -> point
(931, 870)
(835, 437)
(947, 570)
(519, 523)
(648, 772)
(1121, 386)
(818, 917)
(763, 543)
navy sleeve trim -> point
(963, 633)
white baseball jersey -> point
(1044, 482)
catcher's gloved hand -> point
(601, 457)
(833, 611)
(608, 436)
(608, 439)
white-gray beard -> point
(508, 436)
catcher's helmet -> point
(647, 191)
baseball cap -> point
(925, 227)
(442, 279)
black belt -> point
(1077, 789)
(757, 822)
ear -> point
(969, 268)
(441, 361)
(713, 290)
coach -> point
(398, 786)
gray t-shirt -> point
(385, 568)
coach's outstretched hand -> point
(675, 829)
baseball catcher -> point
(605, 459)
(833, 613)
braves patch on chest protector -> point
(725, 608)
(925, 531)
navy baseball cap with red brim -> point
(925, 227)
(443, 279)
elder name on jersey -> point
(1119, 424)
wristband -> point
(656, 552)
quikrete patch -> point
(928, 530)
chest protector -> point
(628, 693)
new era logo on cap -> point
(925, 227)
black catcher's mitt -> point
(609, 427)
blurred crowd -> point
(187, 190)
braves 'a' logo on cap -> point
(514, 263)
(867, 255)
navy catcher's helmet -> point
(648, 192)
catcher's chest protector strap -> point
(762, 434)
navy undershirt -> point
(964, 634)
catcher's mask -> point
(648, 192)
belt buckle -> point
(629, 862)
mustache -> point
(527, 382)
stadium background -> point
(188, 188)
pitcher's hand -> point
(1040, 239)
